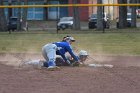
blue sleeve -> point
(71, 53)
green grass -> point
(94, 43)
(111, 43)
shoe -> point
(40, 65)
(53, 68)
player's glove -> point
(76, 64)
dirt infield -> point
(124, 77)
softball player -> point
(82, 56)
(50, 51)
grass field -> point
(95, 43)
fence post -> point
(103, 20)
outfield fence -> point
(50, 19)
(64, 5)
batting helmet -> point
(83, 52)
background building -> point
(112, 11)
(52, 13)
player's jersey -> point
(64, 47)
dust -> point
(8, 59)
(95, 57)
(15, 59)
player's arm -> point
(64, 57)
(72, 54)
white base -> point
(100, 65)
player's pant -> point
(49, 53)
